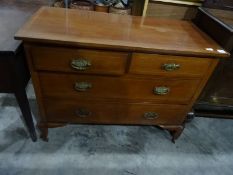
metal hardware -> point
(80, 64)
(161, 90)
(151, 115)
(82, 86)
(82, 113)
(170, 66)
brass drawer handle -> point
(82, 113)
(161, 90)
(150, 115)
(170, 66)
(80, 64)
(82, 86)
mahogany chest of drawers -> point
(99, 68)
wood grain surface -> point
(60, 58)
(118, 88)
(152, 64)
(112, 113)
(92, 29)
(137, 46)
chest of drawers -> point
(96, 68)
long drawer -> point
(154, 64)
(81, 61)
(112, 113)
(161, 90)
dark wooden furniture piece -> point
(217, 98)
(218, 4)
(14, 73)
(170, 9)
(129, 70)
(138, 7)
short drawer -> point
(161, 90)
(154, 64)
(113, 113)
(79, 60)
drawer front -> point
(153, 64)
(127, 88)
(79, 60)
(113, 113)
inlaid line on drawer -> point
(161, 90)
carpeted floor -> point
(205, 148)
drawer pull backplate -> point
(82, 113)
(161, 90)
(150, 115)
(82, 86)
(170, 66)
(80, 64)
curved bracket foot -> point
(175, 130)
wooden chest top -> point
(94, 29)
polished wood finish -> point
(122, 88)
(60, 26)
(112, 113)
(125, 95)
(59, 59)
(14, 73)
(152, 64)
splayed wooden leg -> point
(43, 132)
